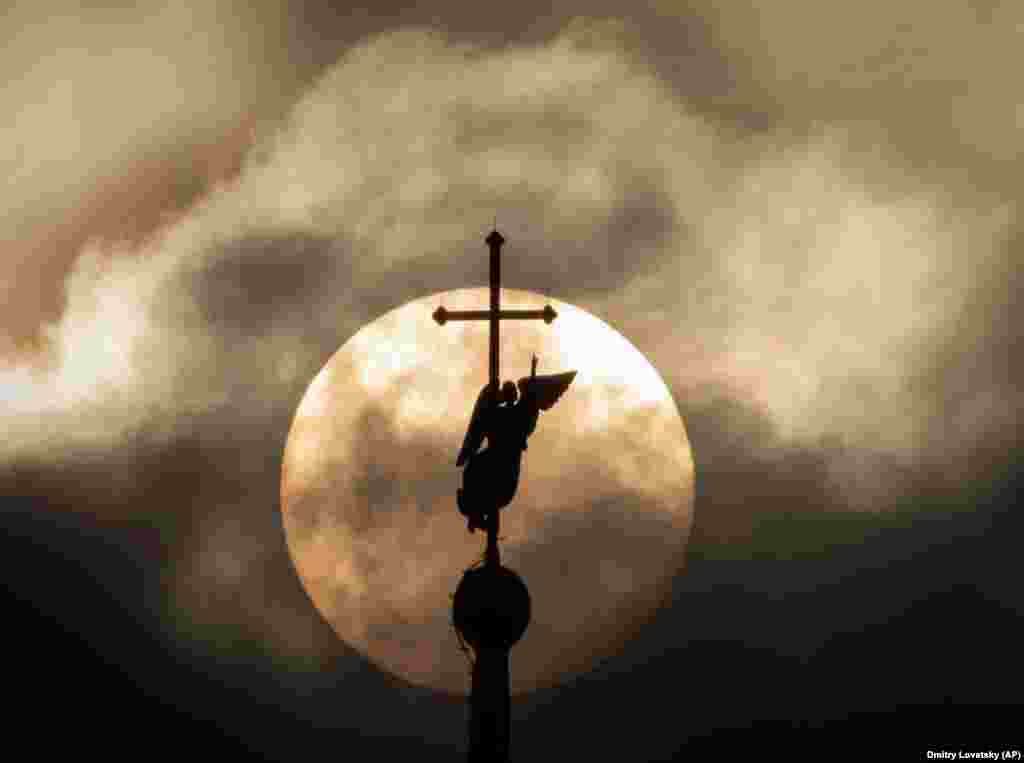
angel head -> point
(509, 395)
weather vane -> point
(491, 609)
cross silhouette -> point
(494, 315)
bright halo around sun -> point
(597, 529)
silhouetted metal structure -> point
(491, 609)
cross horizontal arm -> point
(442, 316)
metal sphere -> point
(491, 607)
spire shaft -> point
(489, 707)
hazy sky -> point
(806, 217)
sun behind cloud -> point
(597, 529)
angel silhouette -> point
(507, 420)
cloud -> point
(761, 236)
(354, 193)
(813, 278)
(91, 90)
(934, 83)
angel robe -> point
(492, 475)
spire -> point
(491, 607)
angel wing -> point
(539, 393)
(475, 433)
(542, 392)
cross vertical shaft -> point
(494, 241)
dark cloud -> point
(577, 259)
(794, 651)
(254, 285)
